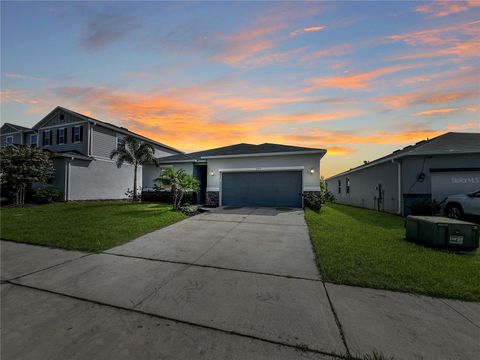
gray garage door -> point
(276, 188)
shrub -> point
(189, 210)
(313, 201)
(425, 207)
(132, 196)
(48, 195)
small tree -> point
(179, 182)
(21, 166)
(136, 153)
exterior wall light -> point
(212, 173)
(312, 171)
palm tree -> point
(179, 182)
(134, 152)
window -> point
(339, 186)
(77, 134)
(61, 136)
(9, 140)
(47, 138)
(34, 140)
(347, 187)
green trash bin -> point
(442, 231)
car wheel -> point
(454, 211)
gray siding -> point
(81, 147)
(17, 138)
(162, 152)
(5, 129)
(100, 179)
(103, 141)
(414, 165)
(362, 188)
(55, 119)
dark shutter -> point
(51, 137)
(43, 138)
(58, 136)
(73, 134)
(81, 133)
(65, 133)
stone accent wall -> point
(212, 198)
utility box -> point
(442, 231)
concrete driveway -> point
(236, 283)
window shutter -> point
(58, 136)
(81, 133)
(43, 138)
(73, 134)
(65, 133)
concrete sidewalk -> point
(200, 290)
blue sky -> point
(358, 78)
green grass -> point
(86, 226)
(367, 248)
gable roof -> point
(16, 127)
(241, 150)
(446, 144)
(106, 125)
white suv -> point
(465, 204)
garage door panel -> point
(454, 182)
(278, 189)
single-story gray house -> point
(430, 169)
(252, 175)
(81, 147)
(236, 175)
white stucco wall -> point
(311, 182)
(100, 179)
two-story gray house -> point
(81, 148)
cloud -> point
(19, 96)
(446, 35)
(335, 51)
(17, 76)
(307, 30)
(108, 27)
(419, 98)
(436, 112)
(357, 81)
(441, 8)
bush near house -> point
(47, 195)
(362, 247)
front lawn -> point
(87, 226)
(366, 248)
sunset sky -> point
(360, 79)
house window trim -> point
(64, 136)
(339, 186)
(50, 140)
(36, 140)
(79, 134)
(6, 140)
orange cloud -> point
(335, 51)
(414, 98)
(17, 96)
(437, 36)
(434, 112)
(357, 81)
(441, 8)
(307, 30)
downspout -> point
(67, 179)
(399, 181)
